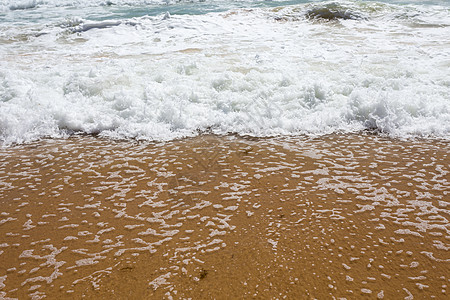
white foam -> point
(156, 78)
(22, 4)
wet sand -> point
(350, 216)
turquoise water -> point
(35, 11)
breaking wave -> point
(240, 71)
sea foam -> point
(259, 72)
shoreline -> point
(210, 134)
(339, 215)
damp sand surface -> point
(345, 216)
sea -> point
(161, 70)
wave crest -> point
(332, 11)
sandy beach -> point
(347, 216)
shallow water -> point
(342, 215)
(147, 70)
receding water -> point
(337, 216)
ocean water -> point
(166, 69)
